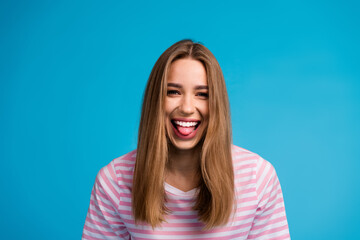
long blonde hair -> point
(215, 200)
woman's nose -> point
(187, 105)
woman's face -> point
(186, 103)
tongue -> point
(185, 130)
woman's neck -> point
(184, 161)
(183, 168)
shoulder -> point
(242, 156)
(119, 171)
(253, 169)
(245, 159)
(239, 153)
(126, 161)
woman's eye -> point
(172, 92)
(203, 94)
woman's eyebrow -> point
(174, 85)
(198, 87)
(201, 87)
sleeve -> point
(103, 220)
(270, 219)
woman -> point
(186, 180)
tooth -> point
(185, 124)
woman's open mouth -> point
(185, 129)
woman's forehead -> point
(187, 71)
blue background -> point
(73, 75)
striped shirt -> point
(259, 214)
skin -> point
(187, 98)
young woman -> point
(186, 180)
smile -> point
(185, 129)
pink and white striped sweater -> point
(260, 211)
